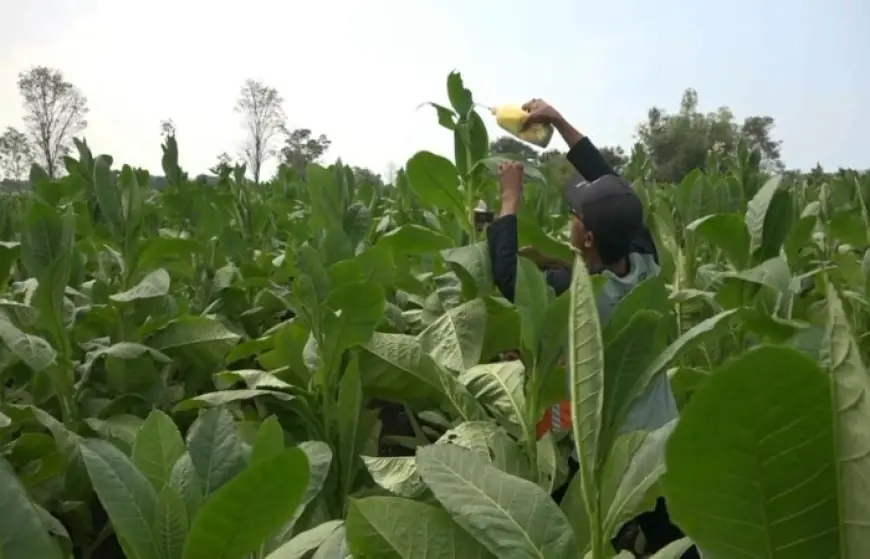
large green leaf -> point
(396, 474)
(573, 505)
(512, 517)
(157, 448)
(120, 429)
(634, 466)
(122, 350)
(155, 284)
(353, 312)
(769, 217)
(22, 533)
(499, 387)
(651, 295)
(472, 264)
(223, 397)
(695, 197)
(436, 181)
(327, 205)
(626, 358)
(34, 351)
(751, 470)
(586, 365)
(108, 194)
(198, 338)
(319, 461)
(269, 441)
(530, 233)
(350, 401)
(215, 448)
(728, 233)
(531, 299)
(460, 96)
(850, 388)
(185, 481)
(46, 236)
(170, 523)
(395, 365)
(415, 239)
(686, 341)
(455, 340)
(395, 528)
(127, 496)
(334, 546)
(192, 330)
(306, 542)
(237, 518)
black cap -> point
(610, 209)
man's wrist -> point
(509, 205)
(560, 124)
(570, 134)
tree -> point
(615, 156)
(301, 148)
(363, 175)
(16, 155)
(224, 164)
(757, 131)
(554, 165)
(54, 112)
(263, 114)
(507, 145)
(678, 143)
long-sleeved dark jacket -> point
(502, 234)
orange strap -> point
(557, 418)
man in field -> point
(607, 230)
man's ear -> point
(589, 241)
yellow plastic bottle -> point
(512, 117)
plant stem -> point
(532, 402)
(105, 532)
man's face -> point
(581, 239)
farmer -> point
(607, 230)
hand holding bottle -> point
(540, 112)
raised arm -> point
(582, 153)
(502, 234)
(503, 238)
(584, 157)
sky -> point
(357, 70)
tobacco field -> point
(310, 367)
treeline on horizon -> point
(55, 111)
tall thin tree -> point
(263, 114)
(54, 111)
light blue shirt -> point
(656, 406)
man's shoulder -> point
(643, 266)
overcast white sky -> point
(355, 70)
